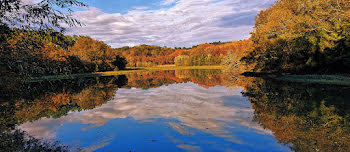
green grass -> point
(128, 70)
(319, 79)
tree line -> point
(36, 53)
(203, 54)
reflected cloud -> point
(191, 105)
(189, 147)
(101, 144)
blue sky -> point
(123, 6)
(168, 22)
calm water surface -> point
(187, 110)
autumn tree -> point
(300, 36)
(182, 60)
(96, 52)
(233, 60)
(146, 55)
(29, 44)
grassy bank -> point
(320, 79)
(128, 70)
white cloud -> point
(187, 23)
(29, 2)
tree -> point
(47, 14)
(95, 52)
(182, 60)
(120, 62)
(29, 44)
(299, 35)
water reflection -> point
(310, 117)
(204, 78)
(185, 110)
(29, 102)
(191, 105)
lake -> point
(179, 110)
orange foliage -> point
(205, 54)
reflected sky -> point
(177, 117)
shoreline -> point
(128, 70)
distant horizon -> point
(170, 23)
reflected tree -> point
(29, 102)
(310, 117)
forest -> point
(289, 37)
(204, 54)
(36, 53)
